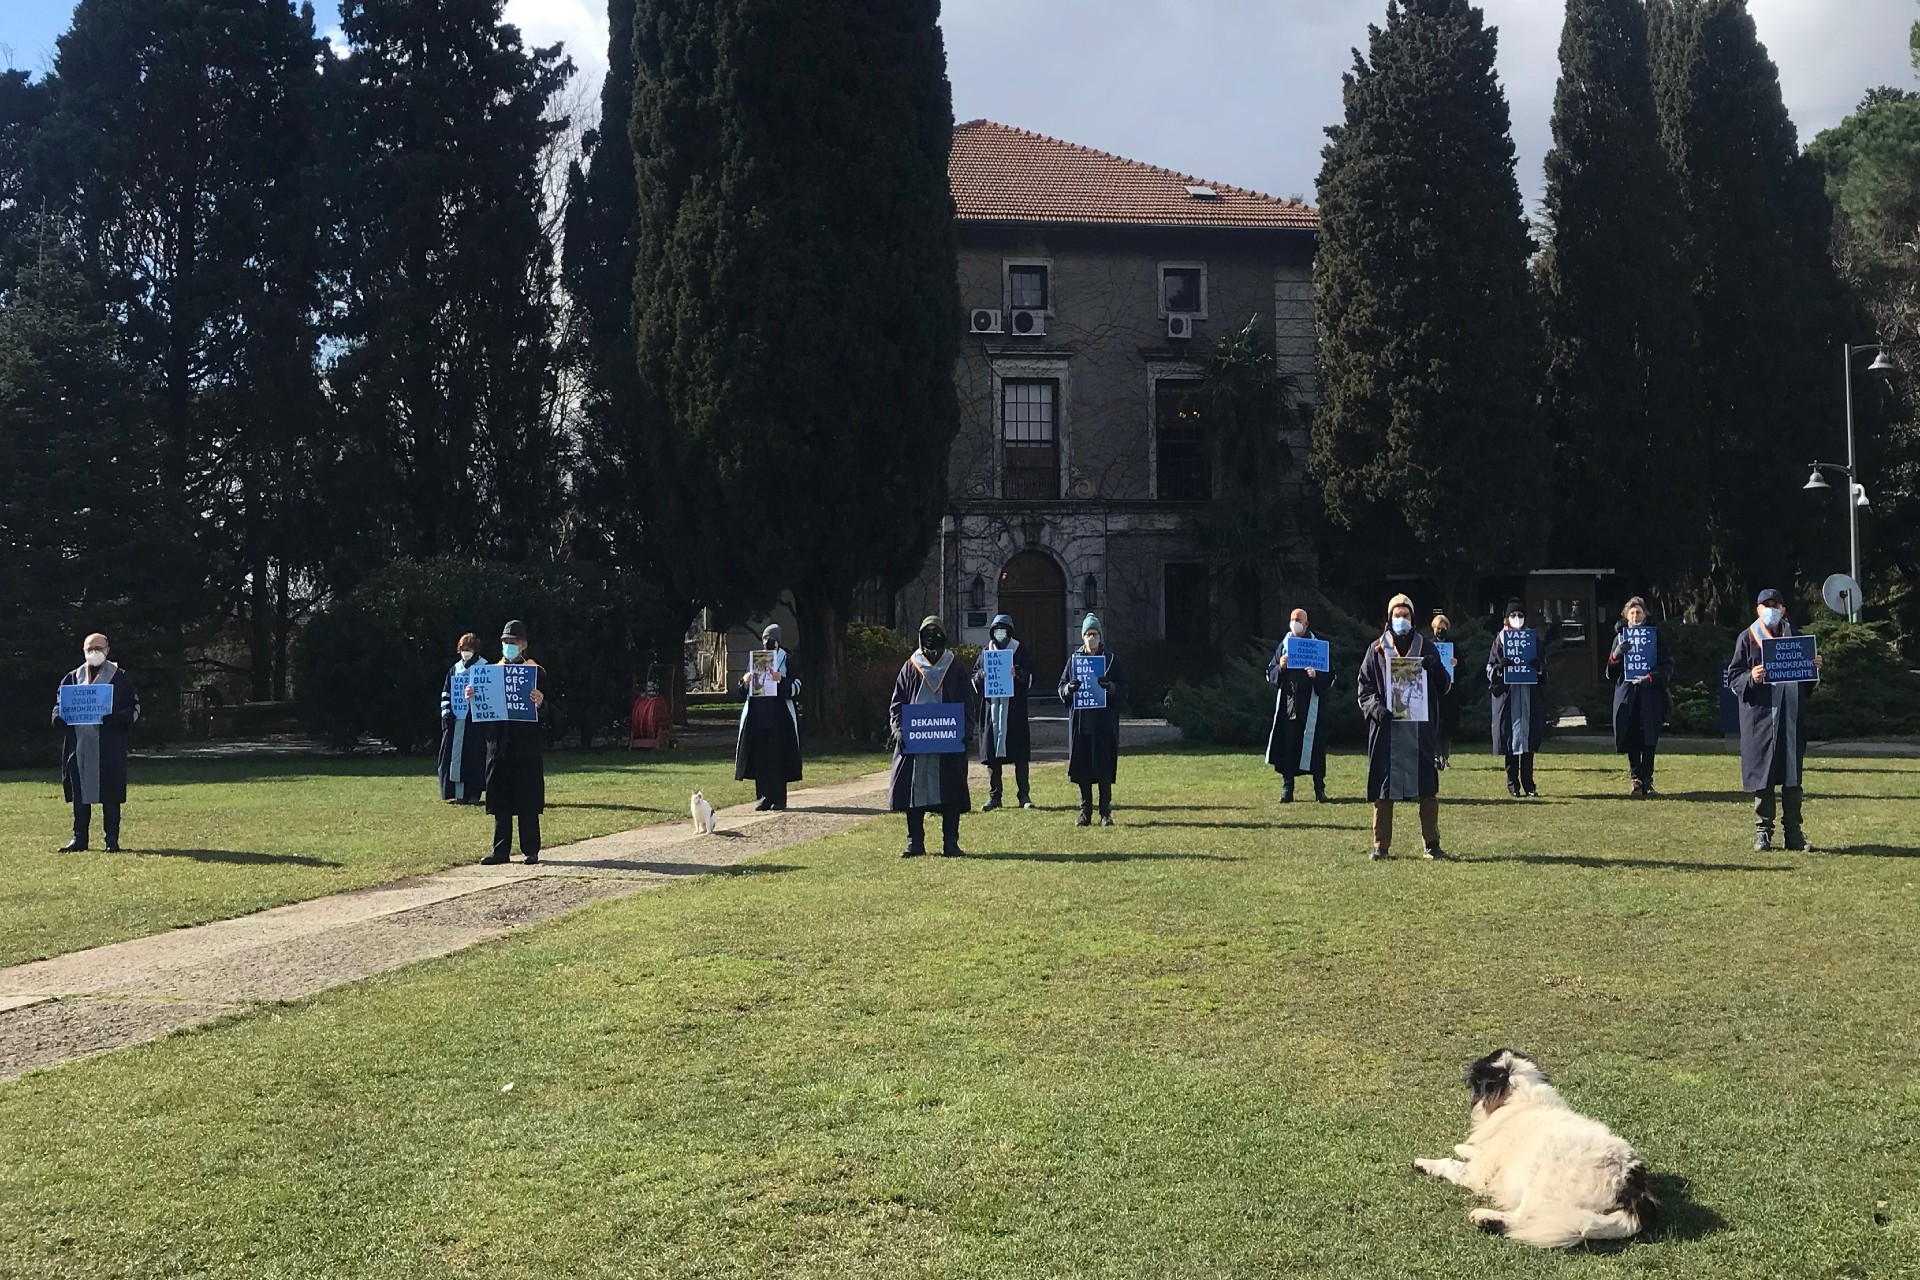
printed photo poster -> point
(1089, 669)
(1521, 649)
(1407, 688)
(1637, 645)
(766, 678)
(85, 704)
(997, 669)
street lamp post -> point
(1856, 492)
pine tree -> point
(1770, 307)
(1429, 424)
(23, 107)
(445, 275)
(1617, 312)
(796, 299)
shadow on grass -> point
(850, 810)
(1734, 797)
(1873, 851)
(1681, 1216)
(238, 857)
(1101, 857)
(1235, 826)
(675, 868)
(1638, 864)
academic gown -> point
(1519, 710)
(1640, 709)
(1093, 733)
(1005, 736)
(1400, 753)
(930, 781)
(93, 758)
(1297, 743)
(767, 746)
(516, 760)
(1773, 725)
(463, 744)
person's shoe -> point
(1797, 842)
(1319, 795)
(1286, 795)
(776, 808)
(1436, 854)
(1639, 792)
(1532, 793)
(1106, 819)
(953, 851)
(1513, 788)
(1378, 854)
(74, 846)
(993, 802)
(1762, 841)
(914, 851)
(1026, 802)
(494, 860)
(762, 805)
(533, 859)
(113, 846)
(1648, 791)
(1084, 820)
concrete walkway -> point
(126, 993)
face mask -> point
(1517, 621)
(1772, 617)
(1440, 633)
(1001, 635)
(95, 658)
(933, 643)
(1401, 626)
(1298, 628)
(1092, 641)
(509, 650)
(468, 655)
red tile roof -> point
(1003, 174)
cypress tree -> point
(1617, 312)
(445, 271)
(1429, 423)
(1770, 307)
(23, 106)
(796, 305)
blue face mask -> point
(509, 651)
(1772, 617)
(1402, 625)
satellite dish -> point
(1842, 595)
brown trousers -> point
(1383, 821)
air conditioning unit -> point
(1179, 326)
(1028, 323)
(985, 320)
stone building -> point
(1096, 287)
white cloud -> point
(581, 25)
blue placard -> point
(457, 693)
(1445, 649)
(1637, 648)
(933, 728)
(521, 678)
(504, 691)
(1789, 659)
(997, 666)
(1521, 650)
(84, 704)
(1304, 654)
(1729, 701)
(1089, 669)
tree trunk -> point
(823, 654)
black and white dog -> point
(1555, 1177)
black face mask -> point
(933, 643)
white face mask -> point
(1517, 620)
(96, 658)
(1773, 617)
(1001, 635)
(468, 655)
(1092, 641)
(1402, 625)
(1298, 628)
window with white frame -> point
(1029, 439)
(1027, 286)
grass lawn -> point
(1203, 1044)
(212, 839)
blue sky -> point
(1233, 90)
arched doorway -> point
(1033, 592)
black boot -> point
(1526, 775)
(1319, 791)
(1513, 774)
(1286, 791)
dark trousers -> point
(1319, 782)
(503, 834)
(774, 793)
(83, 822)
(1789, 803)
(917, 828)
(1640, 764)
(994, 789)
(1520, 770)
(1086, 799)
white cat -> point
(703, 816)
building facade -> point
(1096, 288)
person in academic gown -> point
(1297, 743)
(93, 757)
(1773, 727)
(1400, 753)
(931, 782)
(1639, 705)
(1093, 733)
(516, 761)
(767, 748)
(463, 744)
(1519, 710)
(1447, 726)
(1005, 738)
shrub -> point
(371, 663)
(1865, 688)
(873, 658)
